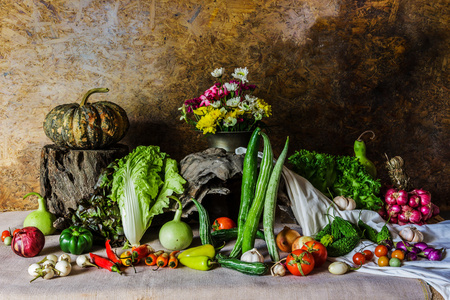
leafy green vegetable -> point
(338, 176)
(317, 168)
(142, 180)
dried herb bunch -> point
(397, 174)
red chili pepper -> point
(105, 263)
(111, 254)
(141, 252)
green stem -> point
(41, 200)
(179, 211)
(92, 91)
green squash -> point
(85, 125)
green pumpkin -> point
(87, 126)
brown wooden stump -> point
(67, 176)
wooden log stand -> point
(67, 176)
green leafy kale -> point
(338, 176)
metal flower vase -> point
(229, 140)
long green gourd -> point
(270, 202)
(254, 215)
(249, 176)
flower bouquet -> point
(226, 106)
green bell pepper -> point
(76, 240)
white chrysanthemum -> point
(241, 74)
(216, 104)
(223, 111)
(258, 115)
(245, 106)
(230, 122)
(233, 102)
(231, 87)
(218, 72)
(250, 98)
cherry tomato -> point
(398, 254)
(300, 262)
(395, 262)
(368, 254)
(15, 231)
(381, 250)
(223, 223)
(5, 233)
(359, 258)
(383, 261)
(318, 251)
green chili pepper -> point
(360, 152)
(201, 263)
(76, 240)
(203, 250)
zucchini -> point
(225, 235)
(270, 204)
(249, 268)
(204, 227)
(254, 215)
(249, 176)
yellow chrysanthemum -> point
(265, 107)
(209, 121)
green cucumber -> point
(249, 176)
(270, 204)
(225, 235)
(204, 227)
(249, 268)
(254, 215)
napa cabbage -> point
(142, 180)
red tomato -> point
(300, 262)
(318, 251)
(368, 254)
(5, 233)
(15, 231)
(381, 250)
(223, 223)
(359, 258)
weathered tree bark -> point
(67, 176)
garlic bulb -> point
(344, 203)
(411, 234)
(252, 256)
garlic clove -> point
(351, 204)
(252, 255)
(341, 202)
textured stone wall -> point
(330, 69)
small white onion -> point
(33, 269)
(52, 257)
(48, 273)
(64, 268)
(65, 257)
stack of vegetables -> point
(401, 206)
